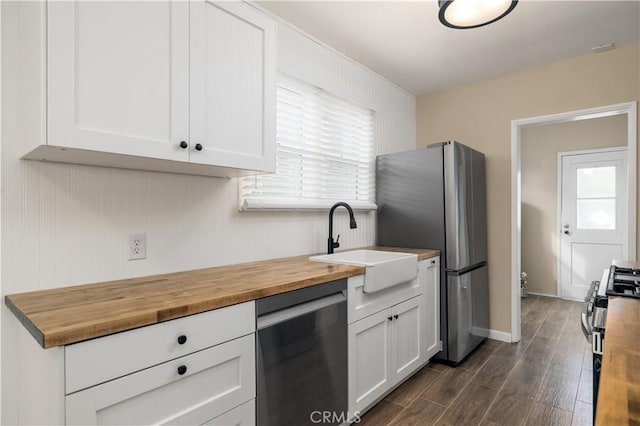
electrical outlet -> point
(137, 246)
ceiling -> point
(405, 42)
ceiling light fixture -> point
(462, 14)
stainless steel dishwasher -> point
(302, 356)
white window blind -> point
(324, 153)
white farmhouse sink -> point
(383, 269)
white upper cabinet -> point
(118, 77)
(232, 85)
(186, 87)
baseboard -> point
(542, 294)
(500, 335)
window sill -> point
(293, 204)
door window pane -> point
(596, 182)
(596, 213)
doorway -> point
(593, 218)
(629, 109)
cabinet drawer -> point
(99, 360)
(361, 304)
(215, 380)
(244, 415)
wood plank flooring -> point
(545, 379)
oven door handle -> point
(586, 326)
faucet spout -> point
(331, 244)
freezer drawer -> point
(467, 311)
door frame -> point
(561, 155)
(630, 110)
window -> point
(324, 153)
(596, 198)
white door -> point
(594, 217)
(233, 67)
(369, 359)
(118, 77)
(408, 351)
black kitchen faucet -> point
(352, 224)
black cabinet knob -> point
(390, 318)
(182, 369)
(198, 147)
(395, 316)
(182, 339)
(184, 145)
(433, 262)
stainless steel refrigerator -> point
(436, 198)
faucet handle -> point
(337, 243)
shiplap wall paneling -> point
(68, 224)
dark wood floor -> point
(545, 379)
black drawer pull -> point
(182, 339)
(182, 369)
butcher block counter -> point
(68, 315)
(619, 394)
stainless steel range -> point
(593, 318)
(624, 279)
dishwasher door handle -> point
(286, 314)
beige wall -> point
(540, 148)
(480, 115)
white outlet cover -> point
(137, 246)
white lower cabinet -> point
(242, 415)
(429, 274)
(384, 348)
(369, 358)
(215, 385)
(407, 349)
(398, 336)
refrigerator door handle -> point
(465, 270)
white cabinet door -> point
(429, 273)
(188, 390)
(233, 68)
(369, 359)
(118, 77)
(407, 347)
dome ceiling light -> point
(462, 14)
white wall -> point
(66, 224)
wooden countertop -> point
(67, 315)
(619, 394)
